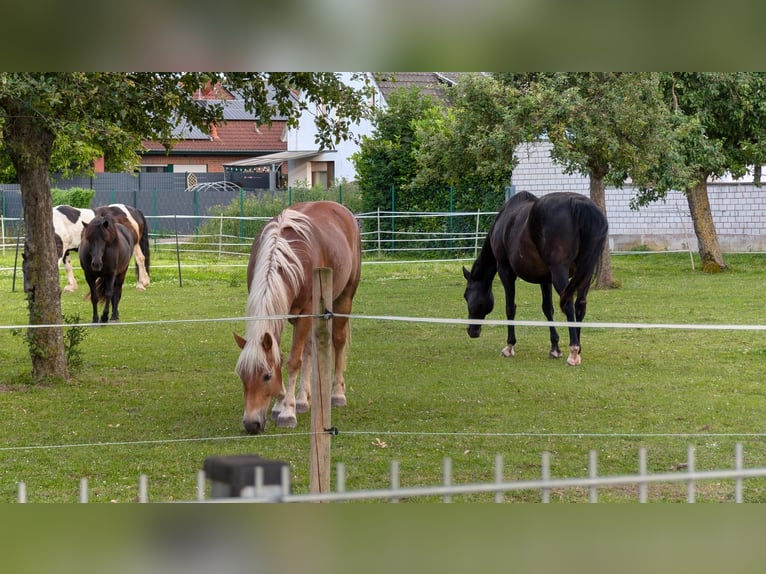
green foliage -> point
(74, 335)
(729, 110)
(387, 159)
(471, 145)
(610, 126)
(79, 197)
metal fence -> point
(569, 489)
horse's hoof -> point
(508, 351)
(140, 287)
(556, 354)
(287, 421)
(301, 407)
(338, 401)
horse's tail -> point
(143, 243)
(100, 289)
(594, 231)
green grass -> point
(159, 399)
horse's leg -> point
(302, 403)
(301, 328)
(71, 282)
(94, 300)
(560, 276)
(108, 294)
(116, 296)
(509, 285)
(340, 335)
(143, 276)
(581, 304)
(547, 291)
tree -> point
(471, 145)
(608, 126)
(115, 111)
(721, 121)
(386, 158)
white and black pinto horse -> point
(68, 223)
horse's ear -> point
(240, 341)
(466, 273)
(267, 342)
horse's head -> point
(479, 299)
(260, 368)
(100, 232)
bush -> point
(79, 197)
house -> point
(263, 157)
(306, 165)
(238, 137)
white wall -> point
(739, 208)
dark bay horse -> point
(279, 278)
(105, 250)
(135, 221)
(555, 240)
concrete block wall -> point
(739, 209)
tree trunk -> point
(29, 145)
(704, 228)
(604, 279)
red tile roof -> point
(234, 135)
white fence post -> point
(394, 479)
(499, 496)
(83, 490)
(642, 486)
(690, 467)
(593, 473)
(546, 475)
(739, 460)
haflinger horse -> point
(555, 240)
(67, 226)
(135, 221)
(301, 238)
(105, 250)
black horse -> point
(555, 240)
(105, 250)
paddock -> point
(419, 391)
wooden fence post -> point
(321, 379)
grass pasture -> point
(157, 399)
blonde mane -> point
(277, 276)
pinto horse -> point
(67, 226)
(555, 240)
(135, 221)
(279, 278)
(105, 250)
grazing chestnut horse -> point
(67, 227)
(105, 250)
(554, 240)
(303, 237)
(135, 221)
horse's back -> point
(335, 241)
(67, 224)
